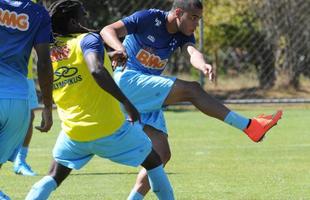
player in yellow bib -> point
(87, 100)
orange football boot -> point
(260, 125)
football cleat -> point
(260, 125)
(24, 169)
(4, 196)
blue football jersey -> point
(148, 44)
(23, 24)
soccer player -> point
(151, 36)
(87, 100)
(20, 165)
(23, 25)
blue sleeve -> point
(92, 42)
(188, 39)
(44, 33)
(137, 21)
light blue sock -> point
(160, 184)
(134, 195)
(22, 154)
(42, 189)
(236, 120)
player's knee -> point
(165, 157)
(152, 160)
(192, 89)
(59, 172)
(194, 86)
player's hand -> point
(47, 120)
(207, 70)
(132, 112)
(118, 58)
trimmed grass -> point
(210, 160)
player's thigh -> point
(155, 119)
(159, 141)
(183, 91)
(146, 92)
(32, 94)
(14, 122)
(70, 153)
(127, 146)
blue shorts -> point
(129, 145)
(33, 99)
(14, 122)
(147, 93)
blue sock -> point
(22, 154)
(134, 195)
(42, 189)
(236, 120)
(160, 184)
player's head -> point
(187, 13)
(68, 16)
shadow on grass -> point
(109, 173)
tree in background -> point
(287, 22)
(235, 41)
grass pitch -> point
(210, 160)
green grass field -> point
(210, 160)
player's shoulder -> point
(91, 39)
(157, 12)
(42, 10)
(91, 36)
(35, 7)
(150, 13)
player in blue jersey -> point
(23, 25)
(20, 165)
(151, 37)
(92, 124)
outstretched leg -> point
(42, 189)
(183, 91)
(193, 92)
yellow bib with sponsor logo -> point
(87, 112)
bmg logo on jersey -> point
(13, 20)
(150, 60)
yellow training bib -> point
(87, 112)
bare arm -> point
(105, 81)
(197, 60)
(111, 34)
(45, 77)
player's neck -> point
(171, 24)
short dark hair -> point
(187, 4)
(61, 12)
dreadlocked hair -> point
(61, 12)
(187, 4)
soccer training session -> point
(144, 99)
